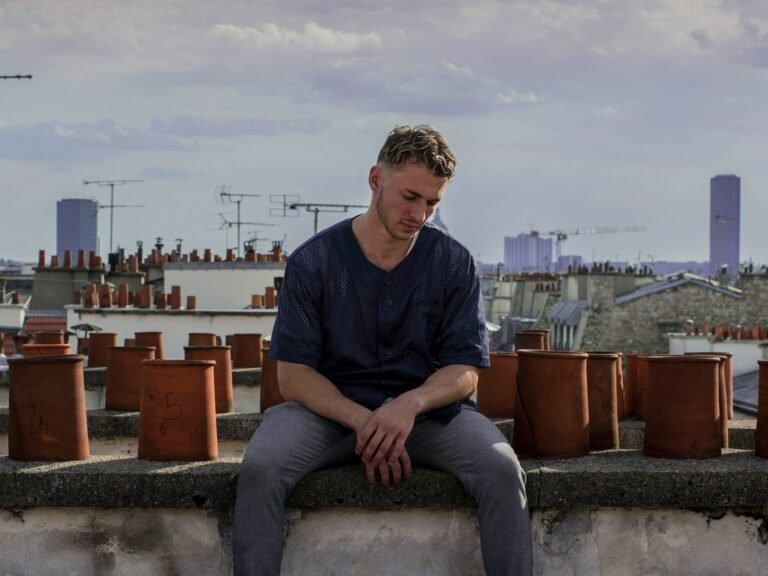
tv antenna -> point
(111, 205)
(288, 205)
(223, 191)
(228, 224)
(254, 240)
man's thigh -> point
(469, 440)
(294, 440)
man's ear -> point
(374, 178)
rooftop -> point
(45, 321)
(676, 281)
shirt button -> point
(389, 354)
(387, 282)
(389, 301)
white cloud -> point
(458, 70)
(313, 38)
(80, 141)
(514, 97)
(195, 126)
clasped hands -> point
(381, 442)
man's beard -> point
(384, 220)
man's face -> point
(405, 197)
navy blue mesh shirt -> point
(376, 334)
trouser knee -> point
(502, 475)
(258, 473)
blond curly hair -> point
(420, 144)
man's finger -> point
(364, 438)
(373, 445)
(396, 449)
(380, 455)
(384, 473)
(405, 462)
(370, 473)
(396, 472)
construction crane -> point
(111, 205)
(16, 77)
(561, 234)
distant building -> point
(724, 224)
(490, 268)
(568, 260)
(666, 267)
(76, 228)
(527, 253)
(636, 313)
(517, 303)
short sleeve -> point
(463, 338)
(297, 332)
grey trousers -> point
(293, 441)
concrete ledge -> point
(154, 312)
(113, 482)
(109, 424)
(741, 433)
(621, 478)
(626, 478)
(609, 513)
(96, 378)
(105, 424)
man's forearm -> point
(449, 384)
(307, 386)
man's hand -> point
(390, 471)
(381, 443)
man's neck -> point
(379, 247)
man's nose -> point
(420, 211)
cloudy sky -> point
(563, 114)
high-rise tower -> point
(724, 224)
(76, 228)
(527, 253)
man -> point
(379, 336)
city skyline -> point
(562, 115)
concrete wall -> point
(53, 287)
(642, 325)
(514, 298)
(755, 287)
(220, 285)
(56, 541)
(135, 280)
(746, 353)
(583, 286)
(344, 542)
(174, 324)
(659, 542)
(12, 315)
